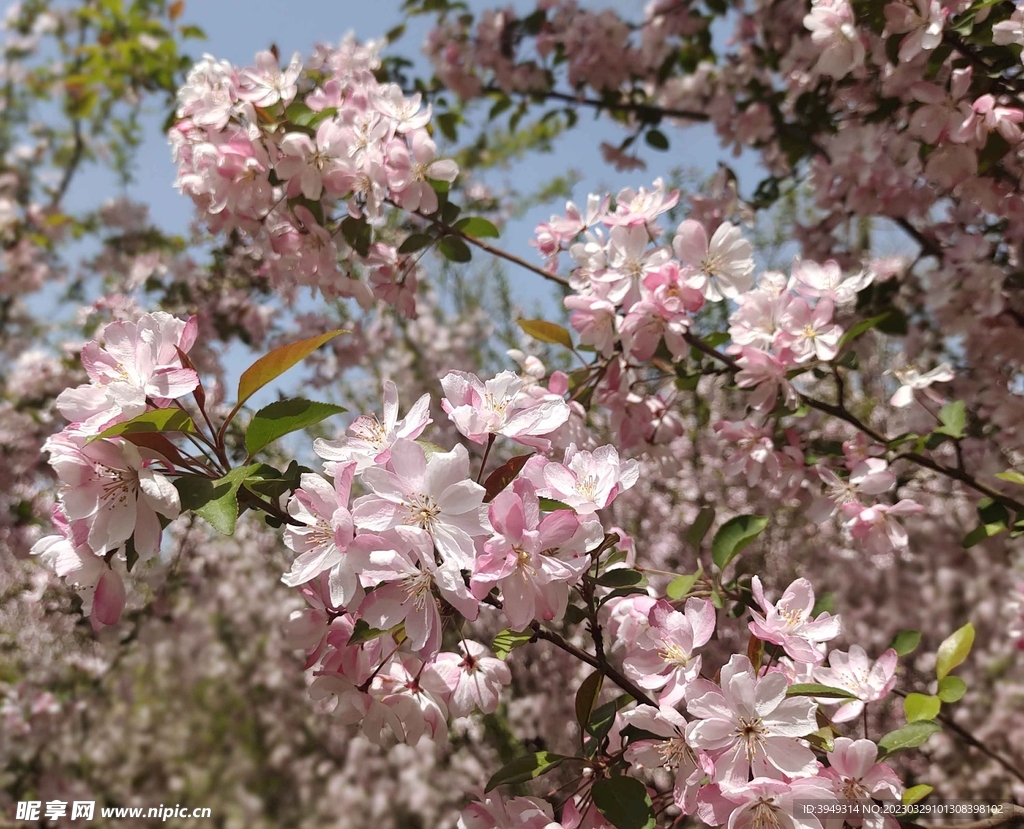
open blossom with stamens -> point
(372, 439)
(671, 752)
(436, 495)
(413, 168)
(826, 281)
(130, 363)
(854, 672)
(401, 565)
(266, 83)
(722, 267)
(475, 679)
(809, 332)
(665, 657)
(912, 380)
(858, 781)
(533, 561)
(500, 406)
(766, 803)
(586, 481)
(749, 725)
(869, 477)
(312, 165)
(789, 622)
(114, 490)
(322, 540)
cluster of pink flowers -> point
(114, 492)
(286, 155)
(423, 543)
(633, 296)
(739, 753)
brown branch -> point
(623, 106)
(602, 665)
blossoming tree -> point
(685, 515)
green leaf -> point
(910, 736)
(501, 477)
(954, 650)
(921, 707)
(862, 327)
(620, 577)
(733, 536)
(905, 642)
(358, 234)
(414, 242)
(823, 739)
(701, 524)
(825, 603)
(508, 640)
(586, 698)
(130, 553)
(603, 718)
(546, 332)
(455, 249)
(551, 505)
(477, 227)
(271, 366)
(158, 420)
(951, 689)
(283, 417)
(656, 139)
(624, 802)
(813, 689)
(953, 417)
(916, 793)
(362, 632)
(525, 768)
(1011, 475)
(215, 501)
(680, 586)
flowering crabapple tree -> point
(445, 535)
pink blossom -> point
(665, 658)
(767, 375)
(723, 266)
(324, 535)
(765, 802)
(853, 671)
(108, 485)
(588, 481)
(749, 725)
(922, 19)
(401, 565)
(859, 781)
(671, 752)
(533, 561)
(266, 84)
(876, 525)
(810, 333)
(372, 439)
(789, 622)
(518, 813)
(500, 406)
(311, 165)
(595, 320)
(826, 282)
(834, 31)
(413, 170)
(130, 363)
(436, 495)
(475, 679)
